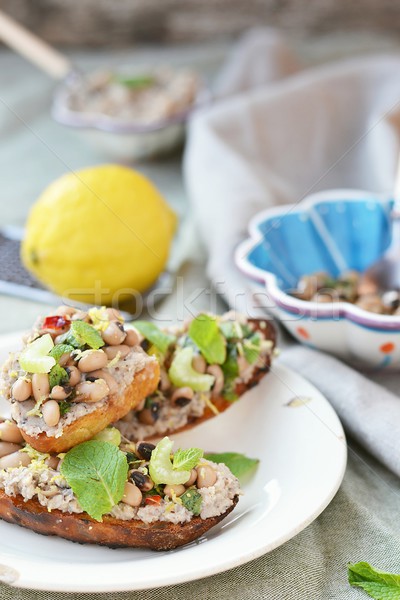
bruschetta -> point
(76, 373)
(117, 494)
(206, 366)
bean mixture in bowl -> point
(71, 363)
(351, 286)
(144, 99)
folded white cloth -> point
(319, 128)
(298, 132)
(369, 413)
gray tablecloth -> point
(362, 521)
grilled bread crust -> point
(111, 532)
(84, 428)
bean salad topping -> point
(66, 360)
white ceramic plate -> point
(285, 422)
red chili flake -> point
(153, 500)
(55, 322)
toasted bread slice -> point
(76, 373)
(112, 532)
(188, 417)
(85, 427)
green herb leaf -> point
(231, 330)
(252, 348)
(64, 407)
(58, 376)
(205, 333)
(82, 334)
(154, 335)
(137, 82)
(97, 472)
(230, 369)
(192, 500)
(378, 584)
(59, 349)
(185, 460)
(239, 464)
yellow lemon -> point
(98, 234)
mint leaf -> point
(192, 500)
(64, 407)
(231, 330)
(59, 349)
(97, 472)
(205, 333)
(137, 82)
(252, 348)
(58, 376)
(239, 464)
(82, 334)
(378, 584)
(230, 369)
(185, 460)
(153, 334)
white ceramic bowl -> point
(330, 231)
(124, 140)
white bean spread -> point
(88, 357)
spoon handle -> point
(33, 48)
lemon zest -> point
(114, 361)
(209, 403)
(99, 317)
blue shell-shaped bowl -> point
(331, 231)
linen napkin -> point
(280, 133)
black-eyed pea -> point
(132, 495)
(142, 481)
(150, 414)
(174, 490)
(59, 392)
(8, 448)
(80, 315)
(92, 360)
(114, 314)
(144, 449)
(9, 432)
(91, 391)
(108, 378)
(64, 359)
(51, 413)
(16, 459)
(114, 334)
(74, 375)
(40, 386)
(199, 363)
(112, 351)
(65, 310)
(22, 389)
(192, 478)
(164, 383)
(52, 462)
(206, 476)
(132, 337)
(182, 396)
(217, 372)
